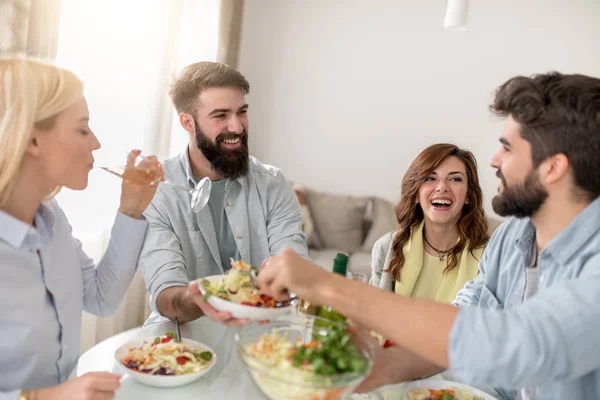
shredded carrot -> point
(333, 394)
(311, 344)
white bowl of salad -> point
(436, 389)
(306, 358)
(234, 292)
(162, 362)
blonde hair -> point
(195, 78)
(32, 94)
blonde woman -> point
(46, 279)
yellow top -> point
(430, 278)
(442, 289)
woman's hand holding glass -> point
(141, 177)
(135, 197)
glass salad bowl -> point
(306, 357)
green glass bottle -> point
(340, 266)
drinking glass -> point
(357, 276)
(142, 175)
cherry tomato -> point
(182, 360)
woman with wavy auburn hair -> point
(46, 279)
(442, 229)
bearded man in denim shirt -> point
(529, 324)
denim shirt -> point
(551, 341)
(46, 281)
(262, 209)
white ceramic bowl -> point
(160, 380)
(438, 384)
(242, 311)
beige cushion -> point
(308, 225)
(383, 221)
(338, 219)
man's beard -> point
(521, 200)
(229, 163)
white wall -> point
(344, 94)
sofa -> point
(350, 224)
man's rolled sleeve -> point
(162, 262)
(284, 223)
(469, 295)
(168, 280)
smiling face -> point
(64, 151)
(520, 192)
(221, 130)
(443, 194)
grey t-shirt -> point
(227, 247)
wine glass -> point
(357, 276)
(360, 277)
(141, 175)
(305, 308)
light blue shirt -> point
(550, 341)
(262, 210)
(46, 280)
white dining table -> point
(228, 379)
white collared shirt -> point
(46, 281)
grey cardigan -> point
(381, 256)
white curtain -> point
(126, 52)
(230, 31)
(29, 27)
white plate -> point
(243, 311)
(437, 384)
(160, 380)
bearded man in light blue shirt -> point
(252, 212)
(529, 323)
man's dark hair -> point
(558, 114)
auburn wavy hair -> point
(472, 224)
